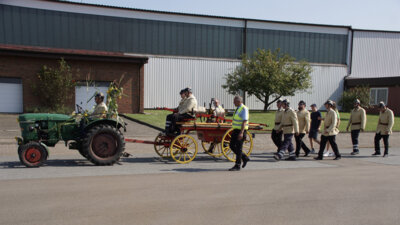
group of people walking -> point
(291, 123)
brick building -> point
(19, 65)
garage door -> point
(84, 93)
(11, 95)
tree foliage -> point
(269, 75)
(54, 86)
(349, 96)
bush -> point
(349, 96)
(54, 87)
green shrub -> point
(349, 96)
(54, 87)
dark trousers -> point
(300, 144)
(332, 141)
(277, 138)
(354, 139)
(378, 138)
(170, 123)
(287, 144)
(237, 145)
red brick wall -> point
(27, 67)
(393, 101)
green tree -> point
(55, 86)
(348, 97)
(268, 76)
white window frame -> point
(375, 102)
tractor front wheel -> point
(32, 154)
(103, 145)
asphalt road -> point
(143, 189)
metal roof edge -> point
(199, 15)
(377, 31)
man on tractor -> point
(101, 109)
(185, 111)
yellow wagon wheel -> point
(183, 149)
(226, 150)
(161, 146)
(211, 148)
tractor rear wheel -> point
(103, 145)
(32, 154)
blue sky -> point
(360, 14)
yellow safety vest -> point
(237, 120)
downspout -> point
(349, 57)
(244, 51)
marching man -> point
(384, 129)
(290, 126)
(357, 122)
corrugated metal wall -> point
(165, 77)
(50, 28)
(36, 27)
(312, 47)
(375, 54)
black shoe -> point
(312, 151)
(277, 157)
(297, 155)
(235, 168)
(376, 154)
(337, 157)
(385, 155)
(245, 160)
(355, 153)
(318, 158)
(291, 158)
(307, 153)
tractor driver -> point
(100, 109)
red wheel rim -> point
(33, 155)
(104, 145)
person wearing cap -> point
(289, 126)
(169, 118)
(303, 117)
(315, 126)
(185, 111)
(330, 132)
(100, 110)
(357, 122)
(383, 129)
(240, 124)
(276, 134)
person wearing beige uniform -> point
(303, 117)
(169, 118)
(101, 109)
(383, 129)
(276, 134)
(357, 121)
(330, 132)
(289, 126)
(185, 111)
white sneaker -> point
(331, 154)
(326, 154)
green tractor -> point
(100, 140)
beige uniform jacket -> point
(330, 123)
(385, 123)
(100, 110)
(304, 119)
(278, 118)
(289, 123)
(219, 111)
(358, 119)
(181, 104)
(188, 105)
